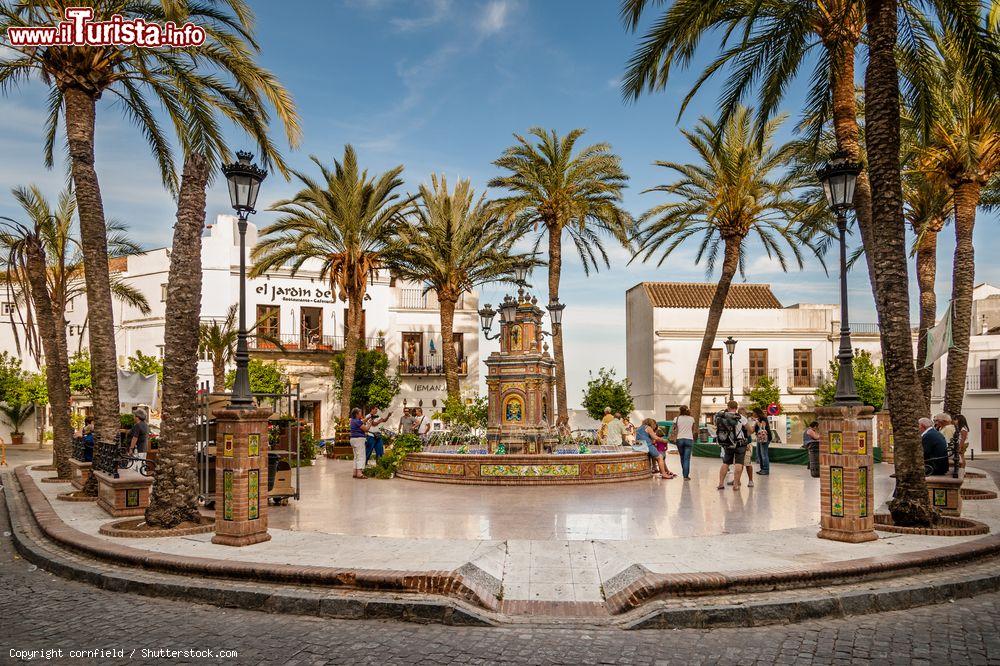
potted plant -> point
(15, 414)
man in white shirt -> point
(373, 442)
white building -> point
(665, 324)
(981, 405)
(305, 315)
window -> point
(69, 305)
(802, 367)
(268, 325)
(163, 293)
(988, 373)
(412, 354)
(713, 371)
(7, 309)
(758, 365)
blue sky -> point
(440, 86)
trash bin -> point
(813, 449)
(272, 469)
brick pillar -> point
(846, 468)
(884, 427)
(241, 476)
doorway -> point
(988, 427)
(311, 325)
(310, 414)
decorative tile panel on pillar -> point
(846, 470)
(883, 425)
(241, 476)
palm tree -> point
(454, 243)
(43, 262)
(218, 340)
(554, 191)
(77, 77)
(344, 221)
(231, 85)
(740, 190)
(962, 155)
(927, 209)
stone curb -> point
(781, 611)
(445, 583)
(273, 599)
(651, 586)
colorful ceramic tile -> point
(837, 492)
(862, 442)
(253, 494)
(132, 497)
(451, 469)
(227, 494)
(253, 444)
(529, 470)
(513, 409)
(601, 469)
(836, 441)
(940, 497)
(227, 445)
(863, 492)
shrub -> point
(264, 377)
(374, 385)
(605, 390)
(764, 393)
(869, 379)
(387, 465)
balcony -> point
(417, 299)
(751, 377)
(305, 343)
(431, 370)
(981, 382)
(805, 383)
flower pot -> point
(16, 438)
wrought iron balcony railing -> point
(304, 342)
(979, 382)
(751, 377)
(809, 380)
(431, 370)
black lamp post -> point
(730, 343)
(839, 177)
(244, 180)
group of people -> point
(366, 433)
(935, 436)
(737, 432)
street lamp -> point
(555, 309)
(839, 177)
(730, 343)
(486, 315)
(244, 179)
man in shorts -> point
(732, 437)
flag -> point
(939, 339)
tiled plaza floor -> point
(547, 543)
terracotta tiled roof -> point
(699, 295)
(118, 265)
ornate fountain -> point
(522, 443)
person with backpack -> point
(764, 437)
(731, 435)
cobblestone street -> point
(42, 612)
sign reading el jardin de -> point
(277, 292)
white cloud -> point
(439, 11)
(494, 17)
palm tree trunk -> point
(218, 374)
(730, 263)
(926, 266)
(56, 364)
(351, 345)
(448, 353)
(80, 111)
(885, 243)
(555, 271)
(174, 498)
(847, 132)
(963, 280)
